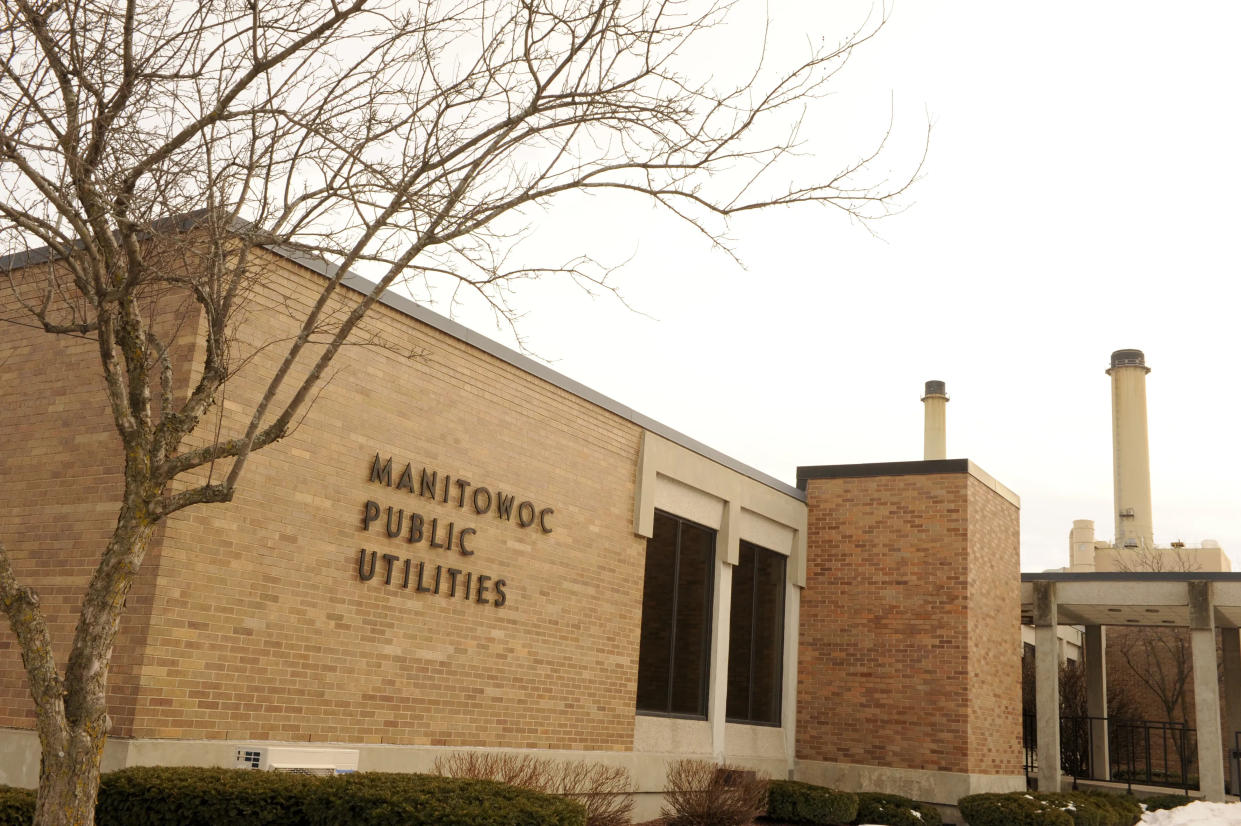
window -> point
(676, 618)
(756, 637)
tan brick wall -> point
(260, 627)
(994, 632)
(60, 482)
(910, 646)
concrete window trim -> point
(673, 479)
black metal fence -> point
(1146, 752)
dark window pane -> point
(655, 650)
(693, 622)
(674, 656)
(769, 637)
(741, 635)
(756, 636)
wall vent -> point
(318, 762)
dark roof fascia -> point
(927, 467)
(41, 255)
(456, 330)
(1132, 576)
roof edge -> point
(925, 467)
(408, 307)
(1131, 576)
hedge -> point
(792, 801)
(1036, 809)
(375, 799)
(894, 810)
(1166, 801)
(185, 796)
(1015, 809)
(150, 796)
(16, 806)
(1126, 808)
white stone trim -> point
(939, 787)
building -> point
(466, 550)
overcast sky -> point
(1080, 197)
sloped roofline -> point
(454, 329)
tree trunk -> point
(72, 713)
(69, 778)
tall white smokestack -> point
(1131, 450)
(935, 427)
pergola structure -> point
(1203, 602)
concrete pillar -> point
(935, 421)
(1206, 691)
(1047, 685)
(1231, 640)
(1131, 449)
(1096, 700)
(727, 550)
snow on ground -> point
(1196, 814)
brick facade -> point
(994, 639)
(909, 655)
(251, 621)
(60, 482)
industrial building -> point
(1183, 598)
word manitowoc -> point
(439, 533)
(480, 498)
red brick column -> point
(910, 654)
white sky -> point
(1080, 197)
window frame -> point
(708, 624)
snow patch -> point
(1199, 813)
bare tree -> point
(151, 146)
(1157, 662)
(1157, 659)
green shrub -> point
(894, 810)
(1126, 808)
(16, 806)
(1166, 801)
(376, 799)
(1013, 809)
(186, 796)
(794, 802)
(1039, 809)
(1097, 808)
(1082, 810)
(207, 797)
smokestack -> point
(1131, 450)
(935, 429)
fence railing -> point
(1148, 752)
